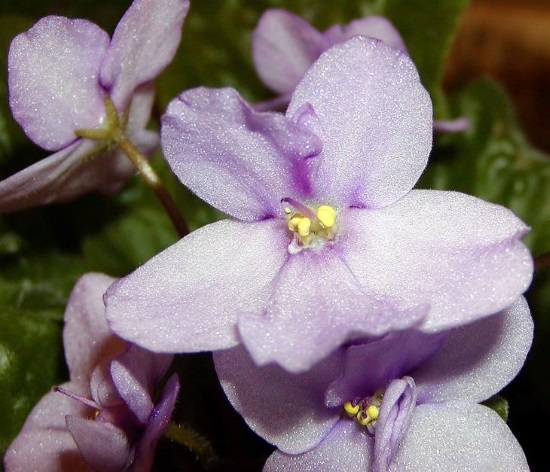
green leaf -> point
(499, 405)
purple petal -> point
(348, 447)
(136, 374)
(240, 161)
(373, 26)
(103, 446)
(158, 421)
(286, 409)
(458, 253)
(144, 43)
(455, 436)
(376, 122)
(87, 339)
(53, 79)
(104, 391)
(188, 297)
(64, 176)
(478, 360)
(283, 48)
(44, 443)
(315, 305)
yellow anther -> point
(326, 215)
(363, 418)
(373, 411)
(294, 221)
(351, 409)
(303, 227)
(288, 211)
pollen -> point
(351, 409)
(326, 216)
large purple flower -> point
(328, 241)
(106, 420)
(59, 74)
(408, 402)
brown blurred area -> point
(510, 41)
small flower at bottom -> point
(106, 417)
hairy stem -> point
(194, 442)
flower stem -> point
(152, 180)
(194, 442)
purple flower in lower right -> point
(407, 402)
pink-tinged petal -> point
(241, 161)
(141, 107)
(376, 122)
(64, 176)
(480, 359)
(453, 436)
(158, 421)
(283, 47)
(53, 79)
(315, 305)
(188, 297)
(44, 443)
(287, 410)
(348, 447)
(103, 446)
(455, 252)
(373, 26)
(103, 390)
(144, 42)
(136, 374)
(87, 339)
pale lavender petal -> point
(158, 421)
(144, 42)
(136, 374)
(44, 443)
(64, 176)
(103, 390)
(348, 447)
(283, 47)
(373, 26)
(87, 339)
(141, 107)
(315, 305)
(241, 161)
(188, 297)
(458, 253)
(453, 436)
(376, 122)
(480, 359)
(286, 409)
(53, 79)
(452, 126)
(103, 446)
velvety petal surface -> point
(478, 360)
(53, 79)
(283, 47)
(144, 42)
(44, 443)
(457, 253)
(286, 409)
(451, 436)
(188, 297)
(373, 26)
(375, 122)
(87, 339)
(315, 305)
(241, 161)
(346, 448)
(102, 445)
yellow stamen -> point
(363, 418)
(373, 412)
(294, 221)
(304, 226)
(326, 215)
(351, 409)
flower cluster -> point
(357, 323)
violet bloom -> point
(107, 420)
(59, 73)
(284, 46)
(408, 402)
(328, 241)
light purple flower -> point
(284, 46)
(107, 420)
(328, 241)
(58, 75)
(408, 402)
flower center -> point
(311, 226)
(365, 411)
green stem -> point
(152, 180)
(193, 441)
